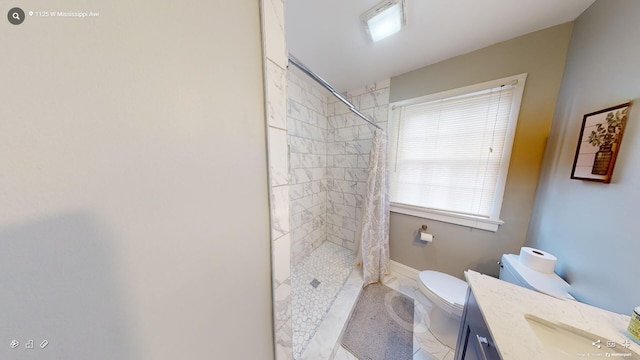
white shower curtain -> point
(373, 247)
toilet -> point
(447, 294)
(513, 271)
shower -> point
(329, 145)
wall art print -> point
(598, 144)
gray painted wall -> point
(591, 227)
(540, 54)
(133, 191)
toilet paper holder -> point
(423, 231)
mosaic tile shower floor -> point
(327, 268)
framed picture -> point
(598, 144)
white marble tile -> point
(365, 132)
(360, 147)
(345, 161)
(386, 83)
(335, 197)
(361, 187)
(345, 186)
(378, 114)
(337, 148)
(294, 93)
(361, 90)
(450, 356)
(300, 145)
(343, 354)
(327, 338)
(356, 174)
(299, 176)
(274, 35)
(279, 211)
(340, 108)
(294, 109)
(284, 348)
(276, 95)
(425, 344)
(301, 204)
(334, 219)
(336, 121)
(350, 224)
(317, 174)
(423, 355)
(330, 265)
(340, 232)
(346, 134)
(282, 258)
(278, 157)
(373, 99)
(319, 198)
(429, 344)
(342, 210)
(349, 199)
(363, 161)
(335, 173)
(316, 186)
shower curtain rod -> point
(321, 81)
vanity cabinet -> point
(474, 339)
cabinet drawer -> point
(474, 339)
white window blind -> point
(450, 151)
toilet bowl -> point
(447, 294)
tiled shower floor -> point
(327, 268)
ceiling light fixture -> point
(384, 19)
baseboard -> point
(402, 269)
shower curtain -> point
(373, 247)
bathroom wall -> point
(133, 200)
(275, 79)
(349, 141)
(329, 157)
(591, 227)
(540, 54)
(307, 135)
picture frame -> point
(599, 142)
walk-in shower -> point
(329, 146)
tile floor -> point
(320, 313)
(315, 282)
(425, 345)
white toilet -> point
(447, 294)
(512, 270)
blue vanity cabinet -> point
(474, 339)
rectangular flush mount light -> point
(384, 19)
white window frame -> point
(493, 222)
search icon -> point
(16, 16)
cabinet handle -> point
(482, 342)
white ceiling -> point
(328, 37)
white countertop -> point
(503, 306)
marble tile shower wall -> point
(275, 65)
(349, 140)
(307, 134)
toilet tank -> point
(512, 271)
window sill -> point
(458, 219)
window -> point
(449, 152)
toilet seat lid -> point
(449, 288)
